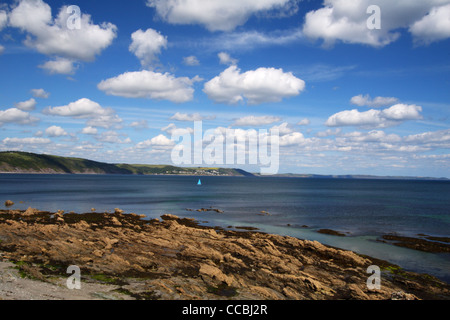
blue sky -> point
(347, 99)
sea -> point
(363, 210)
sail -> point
(199, 182)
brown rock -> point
(9, 203)
(30, 212)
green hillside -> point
(24, 162)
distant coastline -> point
(17, 162)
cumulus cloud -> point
(89, 130)
(293, 138)
(439, 138)
(160, 141)
(147, 45)
(59, 66)
(52, 37)
(173, 130)
(55, 131)
(28, 105)
(17, 116)
(87, 109)
(225, 58)
(151, 85)
(304, 122)
(255, 86)
(215, 15)
(191, 61)
(434, 26)
(40, 93)
(377, 102)
(346, 21)
(256, 121)
(376, 118)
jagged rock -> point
(180, 259)
(30, 212)
(9, 203)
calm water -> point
(363, 208)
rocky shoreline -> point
(123, 256)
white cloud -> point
(256, 86)
(377, 102)
(174, 131)
(55, 131)
(59, 66)
(149, 84)
(346, 21)
(52, 37)
(15, 115)
(225, 58)
(304, 122)
(190, 117)
(372, 136)
(40, 93)
(328, 133)
(160, 141)
(82, 108)
(112, 137)
(215, 15)
(28, 105)
(376, 118)
(20, 141)
(87, 109)
(290, 139)
(2, 49)
(256, 121)
(142, 124)
(3, 19)
(434, 138)
(89, 130)
(191, 61)
(434, 26)
(147, 45)
(283, 129)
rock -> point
(331, 232)
(400, 295)
(30, 212)
(9, 203)
(167, 217)
(116, 221)
(118, 211)
(215, 273)
(181, 259)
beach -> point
(124, 256)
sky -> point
(353, 87)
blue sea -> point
(363, 209)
